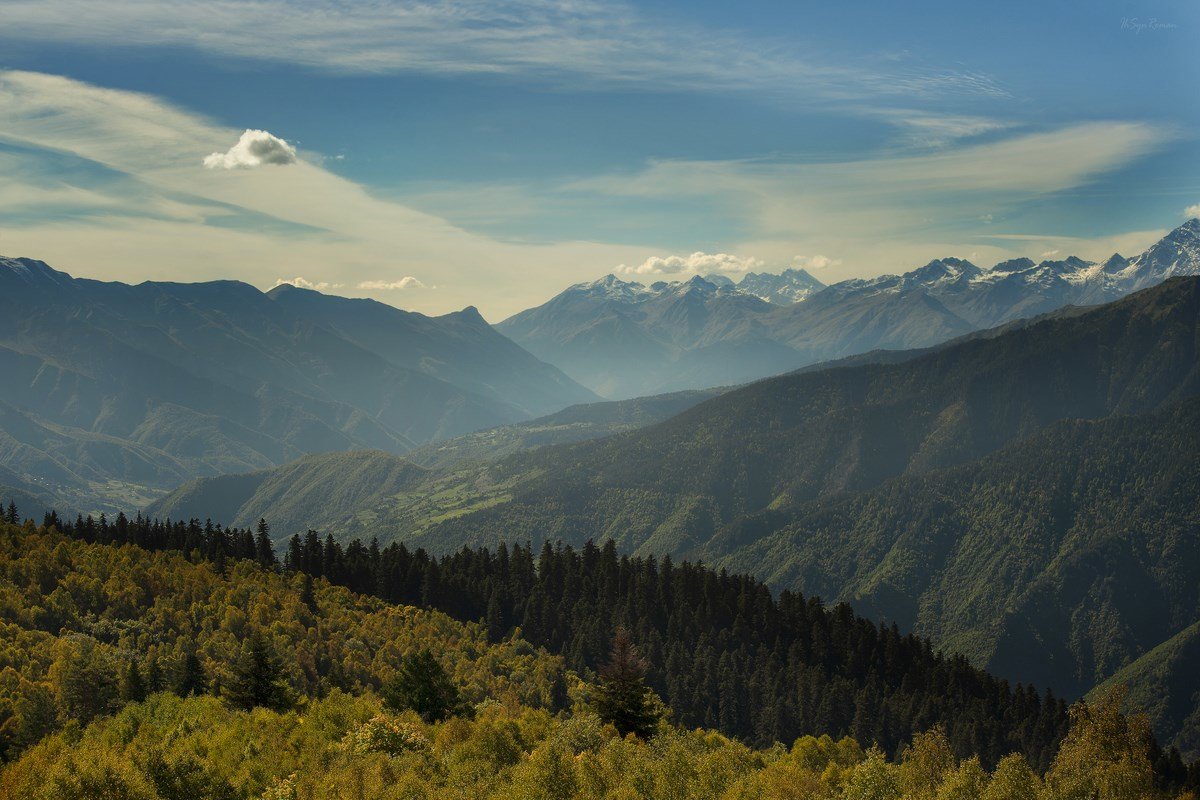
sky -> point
(435, 154)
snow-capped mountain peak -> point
(1176, 254)
(786, 288)
(612, 288)
(939, 272)
(32, 272)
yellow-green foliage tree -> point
(348, 747)
(74, 616)
(1106, 755)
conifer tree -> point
(84, 679)
(621, 695)
(263, 552)
(421, 684)
(307, 596)
(155, 681)
(189, 677)
(257, 678)
(495, 618)
(294, 560)
(133, 688)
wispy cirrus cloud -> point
(878, 196)
(926, 129)
(579, 42)
(887, 214)
(158, 213)
(123, 195)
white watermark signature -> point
(1149, 25)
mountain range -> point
(115, 393)
(1026, 497)
(623, 339)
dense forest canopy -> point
(723, 652)
(147, 693)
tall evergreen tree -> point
(155, 681)
(622, 697)
(188, 677)
(307, 596)
(133, 688)
(257, 678)
(264, 553)
(495, 618)
(421, 684)
(294, 560)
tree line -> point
(721, 651)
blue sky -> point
(440, 154)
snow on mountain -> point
(610, 287)
(1176, 254)
(34, 273)
(623, 339)
(785, 288)
(1025, 287)
(790, 286)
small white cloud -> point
(815, 262)
(986, 219)
(1192, 211)
(1049, 254)
(253, 149)
(697, 263)
(407, 282)
(304, 283)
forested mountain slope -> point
(228, 680)
(77, 615)
(782, 442)
(938, 492)
(722, 651)
(1162, 683)
(1059, 560)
